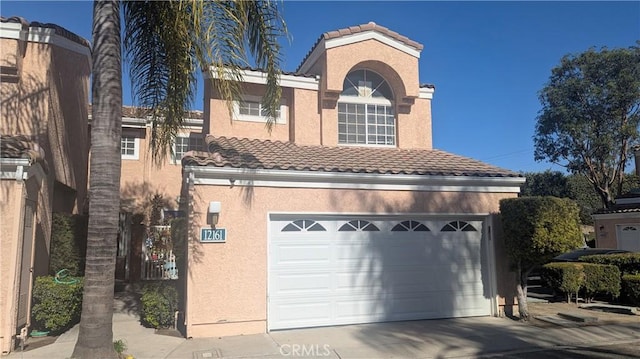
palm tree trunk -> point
(95, 339)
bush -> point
(159, 303)
(631, 288)
(601, 279)
(565, 277)
(68, 243)
(628, 263)
(57, 306)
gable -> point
(356, 34)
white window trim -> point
(282, 119)
(173, 159)
(136, 150)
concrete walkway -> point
(449, 338)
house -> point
(44, 150)
(619, 226)
(344, 213)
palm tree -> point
(165, 43)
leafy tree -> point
(545, 183)
(535, 230)
(162, 39)
(590, 116)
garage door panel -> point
(333, 277)
(303, 254)
(301, 284)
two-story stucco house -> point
(44, 151)
(343, 213)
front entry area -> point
(335, 270)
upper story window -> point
(365, 110)
(129, 148)
(184, 144)
(250, 109)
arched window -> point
(410, 226)
(457, 226)
(365, 110)
(304, 225)
(358, 225)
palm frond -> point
(165, 43)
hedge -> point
(57, 306)
(68, 243)
(631, 288)
(159, 304)
(566, 277)
(628, 263)
(601, 279)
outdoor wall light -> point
(213, 213)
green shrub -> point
(159, 303)
(68, 243)
(56, 306)
(631, 288)
(601, 279)
(567, 278)
(628, 263)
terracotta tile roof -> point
(371, 26)
(59, 30)
(20, 146)
(260, 154)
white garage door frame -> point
(628, 236)
(487, 242)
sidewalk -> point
(448, 338)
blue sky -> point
(488, 60)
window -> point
(365, 110)
(456, 226)
(184, 144)
(250, 109)
(358, 225)
(129, 148)
(410, 226)
(303, 225)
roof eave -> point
(212, 175)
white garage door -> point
(629, 237)
(346, 271)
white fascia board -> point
(12, 30)
(426, 92)
(369, 35)
(284, 215)
(313, 179)
(622, 215)
(43, 36)
(14, 168)
(259, 77)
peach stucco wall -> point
(398, 68)
(227, 282)
(312, 115)
(220, 124)
(606, 229)
(11, 196)
(44, 91)
(49, 103)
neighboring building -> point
(619, 226)
(44, 150)
(343, 213)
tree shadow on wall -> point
(380, 266)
